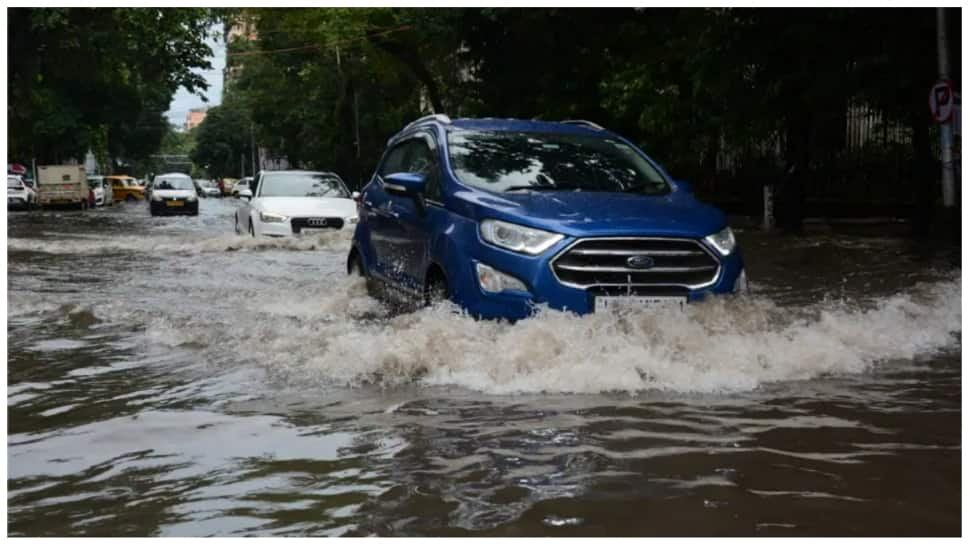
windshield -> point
(506, 161)
(180, 183)
(302, 185)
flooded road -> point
(167, 377)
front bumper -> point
(162, 208)
(544, 289)
(285, 229)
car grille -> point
(659, 264)
(316, 223)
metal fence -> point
(863, 170)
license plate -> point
(174, 203)
(624, 303)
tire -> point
(252, 231)
(130, 198)
(354, 266)
(436, 289)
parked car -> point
(63, 185)
(243, 184)
(126, 188)
(20, 194)
(102, 191)
(499, 215)
(208, 189)
(293, 202)
(173, 193)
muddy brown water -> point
(167, 377)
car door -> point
(411, 219)
(382, 249)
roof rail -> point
(436, 117)
(584, 123)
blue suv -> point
(499, 215)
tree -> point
(221, 139)
(99, 78)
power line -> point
(317, 46)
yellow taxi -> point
(126, 188)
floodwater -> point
(167, 377)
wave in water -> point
(341, 336)
(334, 240)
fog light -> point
(494, 281)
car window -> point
(13, 183)
(301, 185)
(420, 158)
(178, 183)
(394, 160)
(512, 161)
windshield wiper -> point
(647, 189)
(535, 188)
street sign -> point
(941, 102)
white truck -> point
(62, 185)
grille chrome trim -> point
(606, 252)
(703, 249)
(607, 269)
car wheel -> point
(354, 266)
(436, 289)
(252, 231)
(130, 198)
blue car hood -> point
(676, 214)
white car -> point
(173, 193)
(96, 183)
(293, 202)
(209, 189)
(241, 186)
(19, 193)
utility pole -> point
(946, 129)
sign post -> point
(941, 106)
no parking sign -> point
(942, 101)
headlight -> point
(192, 198)
(723, 241)
(352, 220)
(517, 238)
(492, 280)
(269, 217)
(156, 197)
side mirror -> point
(684, 186)
(406, 183)
(246, 194)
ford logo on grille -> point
(639, 262)
(321, 222)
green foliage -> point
(220, 140)
(101, 78)
(325, 88)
